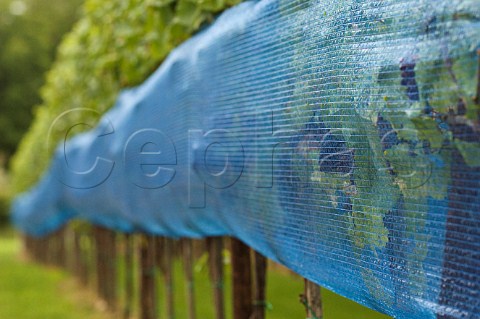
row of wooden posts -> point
(90, 253)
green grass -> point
(31, 291)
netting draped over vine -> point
(340, 138)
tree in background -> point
(114, 45)
(30, 31)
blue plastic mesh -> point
(340, 138)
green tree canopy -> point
(115, 44)
(30, 31)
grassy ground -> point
(30, 291)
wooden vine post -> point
(147, 278)
(215, 260)
(100, 271)
(168, 247)
(187, 247)
(50, 249)
(312, 300)
(260, 280)
(106, 265)
(79, 258)
(242, 280)
(129, 280)
(60, 249)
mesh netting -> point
(340, 138)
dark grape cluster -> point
(458, 125)
(386, 133)
(408, 79)
(335, 157)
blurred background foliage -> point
(30, 31)
(110, 45)
(115, 44)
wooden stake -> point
(47, 247)
(312, 300)
(242, 280)
(129, 247)
(147, 278)
(50, 251)
(260, 302)
(106, 265)
(111, 268)
(215, 248)
(168, 264)
(187, 247)
(90, 256)
(160, 255)
(70, 250)
(40, 250)
(79, 259)
(61, 252)
(100, 265)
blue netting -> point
(340, 138)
